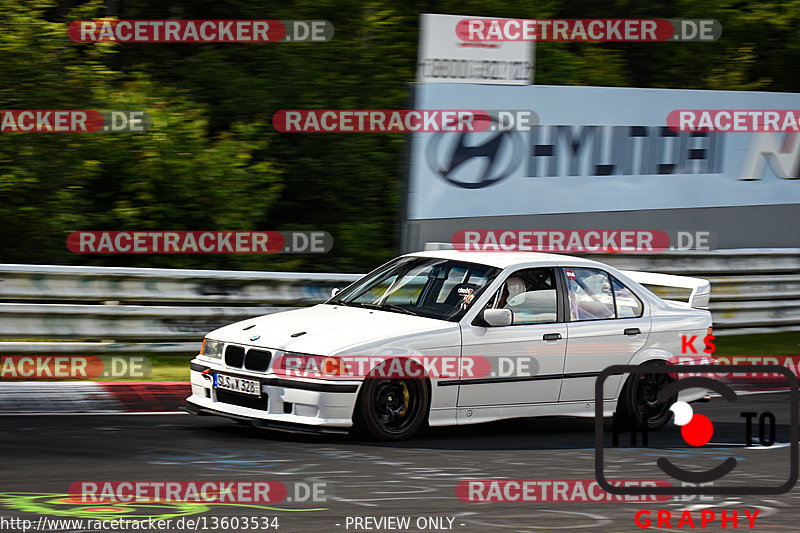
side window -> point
(530, 294)
(590, 294)
(628, 304)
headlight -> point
(212, 348)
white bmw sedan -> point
(451, 338)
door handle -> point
(551, 337)
(632, 331)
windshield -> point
(424, 286)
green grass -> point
(164, 368)
(787, 343)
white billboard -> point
(443, 57)
(597, 149)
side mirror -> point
(335, 291)
(498, 317)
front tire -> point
(638, 400)
(392, 409)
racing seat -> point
(458, 292)
(533, 307)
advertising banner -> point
(444, 57)
(598, 149)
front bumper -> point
(195, 409)
(287, 404)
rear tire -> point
(638, 400)
(392, 409)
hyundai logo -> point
(475, 160)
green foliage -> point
(212, 159)
(175, 176)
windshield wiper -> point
(384, 307)
(399, 309)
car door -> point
(607, 325)
(537, 335)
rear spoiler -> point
(701, 288)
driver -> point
(514, 286)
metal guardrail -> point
(752, 290)
(44, 283)
(119, 322)
(102, 309)
(140, 309)
(741, 262)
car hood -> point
(328, 329)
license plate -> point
(242, 385)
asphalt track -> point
(42, 455)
